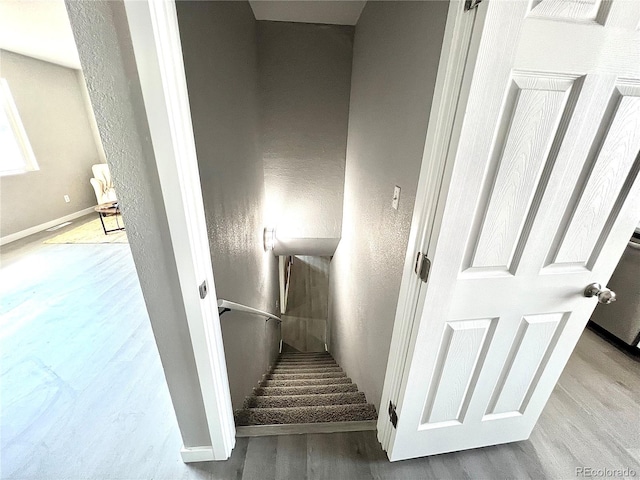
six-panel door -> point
(544, 195)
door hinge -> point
(471, 4)
(393, 416)
(423, 266)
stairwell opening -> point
(307, 129)
(305, 390)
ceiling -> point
(39, 29)
(345, 12)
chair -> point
(101, 183)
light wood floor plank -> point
(259, 462)
(83, 395)
(291, 456)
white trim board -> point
(156, 44)
(43, 226)
(305, 428)
(197, 454)
(457, 52)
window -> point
(16, 155)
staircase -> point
(305, 393)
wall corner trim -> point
(43, 226)
(197, 454)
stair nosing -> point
(303, 370)
(348, 406)
(306, 360)
(343, 373)
(327, 381)
(300, 389)
(305, 365)
(317, 399)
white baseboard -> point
(197, 454)
(43, 226)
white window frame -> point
(29, 163)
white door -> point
(543, 196)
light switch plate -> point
(396, 197)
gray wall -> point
(395, 61)
(220, 56)
(305, 73)
(51, 103)
(304, 325)
(102, 35)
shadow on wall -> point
(249, 340)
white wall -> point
(221, 65)
(305, 73)
(395, 60)
(53, 108)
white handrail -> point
(243, 308)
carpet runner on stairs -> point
(305, 388)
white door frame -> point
(156, 42)
(155, 37)
(459, 49)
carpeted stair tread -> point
(304, 354)
(314, 414)
(324, 358)
(347, 387)
(307, 365)
(308, 370)
(304, 382)
(281, 401)
(319, 356)
(298, 361)
(305, 388)
(310, 358)
(303, 361)
(314, 356)
(296, 376)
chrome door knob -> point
(604, 295)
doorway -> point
(304, 321)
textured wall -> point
(395, 60)
(101, 32)
(52, 106)
(220, 56)
(305, 73)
